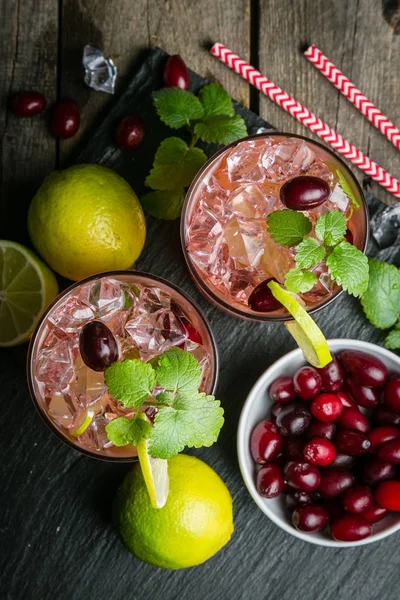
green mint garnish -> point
(288, 227)
(164, 204)
(309, 253)
(215, 101)
(176, 108)
(175, 165)
(347, 190)
(348, 266)
(392, 341)
(299, 281)
(331, 227)
(184, 416)
(381, 300)
(221, 129)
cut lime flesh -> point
(155, 474)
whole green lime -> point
(86, 220)
(194, 524)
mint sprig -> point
(299, 281)
(288, 227)
(347, 190)
(185, 417)
(309, 253)
(176, 108)
(381, 299)
(348, 266)
(331, 227)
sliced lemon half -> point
(304, 329)
(155, 475)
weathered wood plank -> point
(28, 51)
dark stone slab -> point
(57, 540)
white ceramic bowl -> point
(256, 408)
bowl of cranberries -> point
(319, 449)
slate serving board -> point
(57, 539)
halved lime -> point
(27, 286)
(304, 329)
(155, 475)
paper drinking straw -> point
(306, 117)
(353, 94)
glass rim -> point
(206, 290)
(45, 417)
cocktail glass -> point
(224, 235)
(147, 316)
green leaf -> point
(123, 431)
(179, 372)
(347, 190)
(175, 165)
(331, 227)
(193, 421)
(309, 253)
(299, 282)
(348, 266)
(381, 300)
(177, 108)
(164, 204)
(288, 227)
(392, 340)
(216, 100)
(130, 381)
(221, 129)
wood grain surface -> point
(57, 539)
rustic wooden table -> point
(58, 542)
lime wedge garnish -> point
(27, 286)
(85, 423)
(305, 331)
(155, 475)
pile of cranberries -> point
(332, 445)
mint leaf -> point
(348, 266)
(175, 165)
(298, 281)
(309, 253)
(177, 108)
(123, 431)
(192, 421)
(392, 340)
(221, 129)
(178, 371)
(381, 300)
(288, 227)
(347, 190)
(215, 100)
(164, 204)
(331, 227)
(130, 381)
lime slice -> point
(85, 423)
(305, 331)
(155, 475)
(27, 286)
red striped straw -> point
(306, 117)
(349, 91)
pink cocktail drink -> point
(225, 237)
(146, 315)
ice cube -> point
(95, 436)
(107, 297)
(245, 239)
(71, 315)
(62, 409)
(55, 366)
(155, 332)
(249, 202)
(241, 284)
(243, 162)
(276, 260)
(287, 159)
(339, 198)
(204, 237)
(321, 170)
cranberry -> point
(282, 390)
(97, 346)
(348, 236)
(384, 416)
(261, 298)
(293, 448)
(381, 435)
(390, 452)
(342, 461)
(334, 482)
(302, 476)
(374, 514)
(334, 509)
(191, 330)
(265, 442)
(364, 396)
(307, 383)
(326, 407)
(377, 470)
(319, 451)
(295, 499)
(353, 443)
(365, 369)
(391, 393)
(387, 495)
(357, 499)
(346, 400)
(321, 429)
(350, 528)
(294, 421)
(28, 104)
(65, 119)
(176, 73)
(352, 418)
(332, 376)
(304, 192)
(270, 481)
(310, 518)
(130, 132)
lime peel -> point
(155, 475)
(85, 424)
